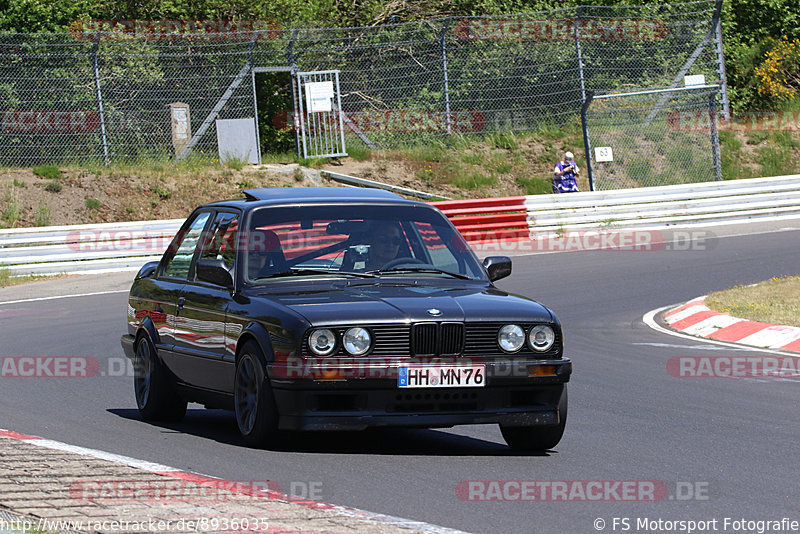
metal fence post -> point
(587, 143)
(578, 51)
(443, 46)
(99, 93)
(295, 88)
(255, 105)
(723, 77)
(715, 138)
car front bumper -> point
(356, 402)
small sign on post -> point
(694, 79)
(181, 125)
(603, 153)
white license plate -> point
(426, 376)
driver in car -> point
(384, 244)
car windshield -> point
(355, 240)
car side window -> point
(221, 241)
(178, 265)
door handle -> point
(181, 302)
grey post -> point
(579, 54)
(723, 77)
(100, 98)
(443, 45)
(587, 143)
(714, 137)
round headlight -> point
(356, 341)
(322, 341)
(541, 337)
(510, 338)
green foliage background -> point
(750, 27)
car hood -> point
(400, 302)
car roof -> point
(313, 195)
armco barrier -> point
(126, 246)
(488, 218)
(667, 205)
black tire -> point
(254, 404)
(538, 438)
(153, 386)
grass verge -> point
(8, 279)
(775, 301)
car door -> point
(166, 287)
(201, 311)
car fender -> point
(256, 331)
(147, 326)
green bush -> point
(53, 187)
(504, 140)
(162, 192)
(42, 216)
(775, 161)
(359, 153)
(235, 162)
(49, 172)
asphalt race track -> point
(732, 441)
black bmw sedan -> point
(340, 309)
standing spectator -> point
(564, 175)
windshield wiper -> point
(302, 272)
(420, 270)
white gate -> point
(320, 114)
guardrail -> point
(86, 248)
(126, 246)
(708, 202)
(363, 182)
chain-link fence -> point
(656, 137)
(106, 94)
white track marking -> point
(65, 296)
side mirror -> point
(147, 270)
(498, 267)
(215, 272)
